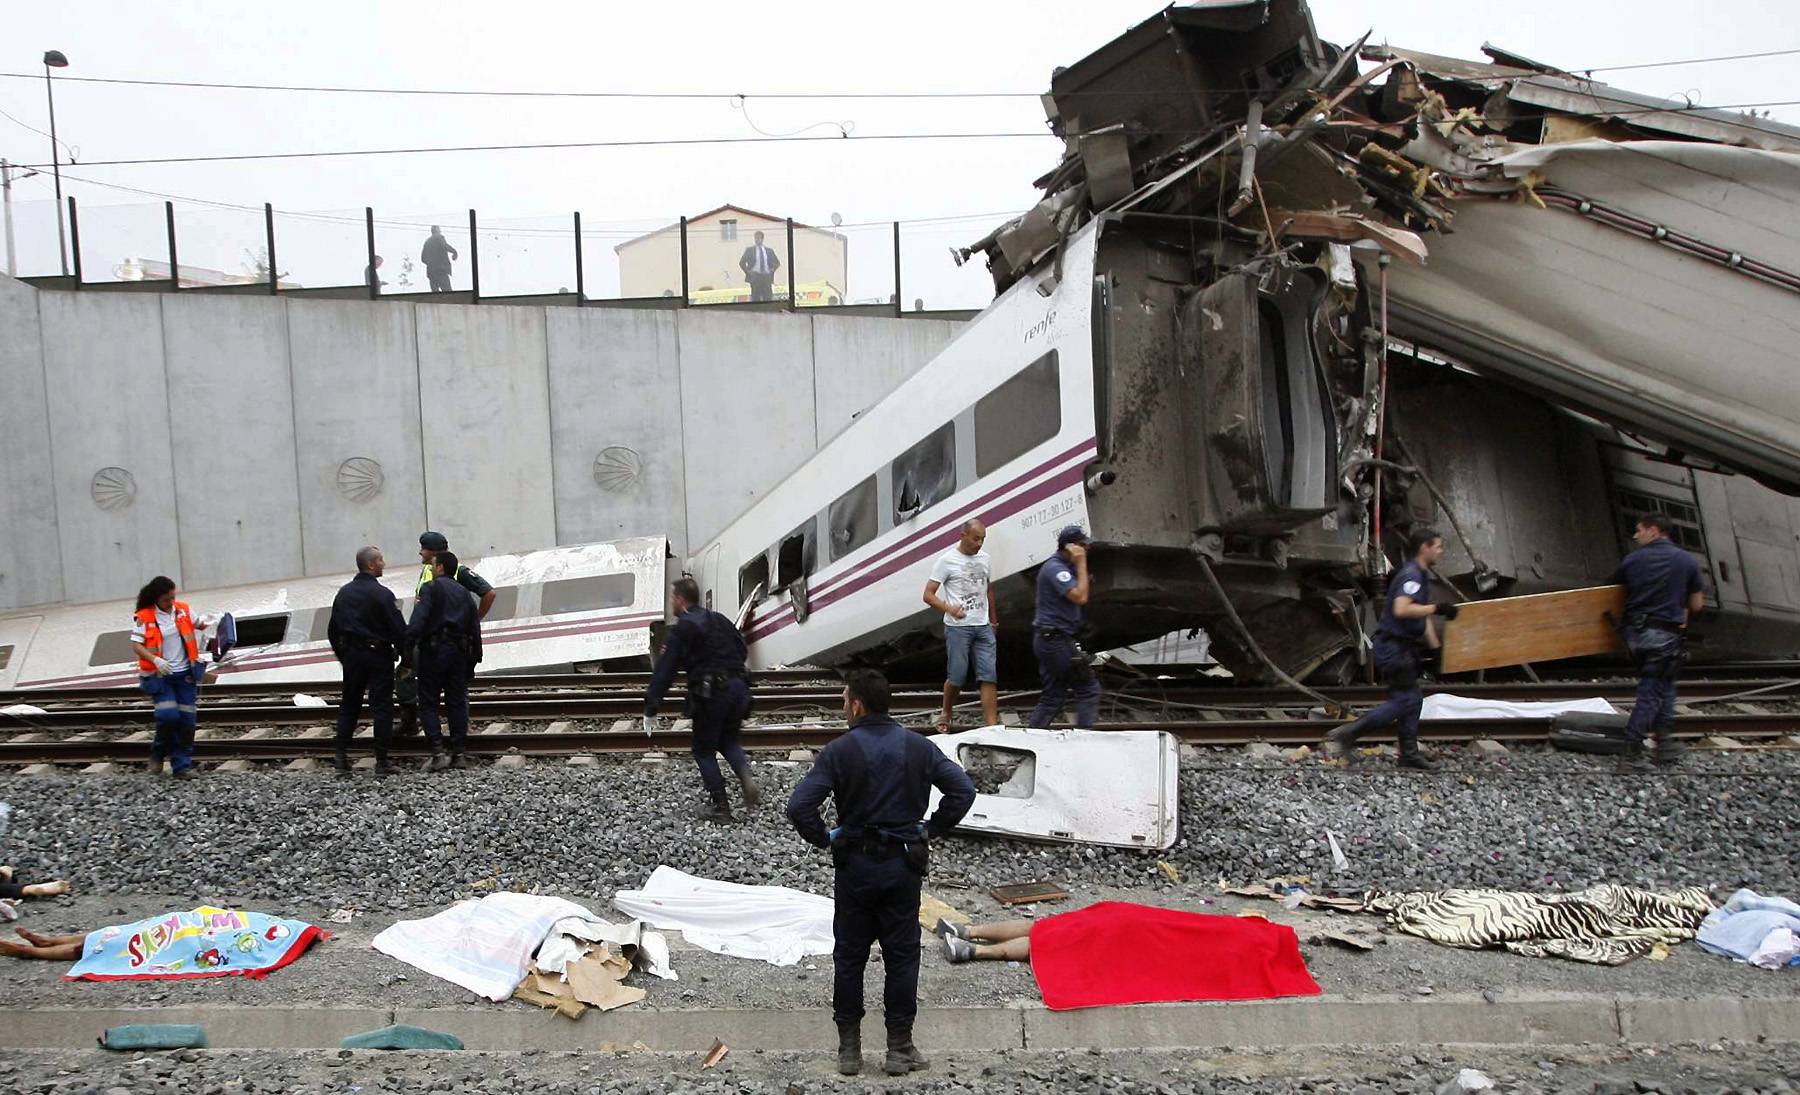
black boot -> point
(849, 1048)
(752, 793)
(718, 809)
(902, 1055)
(1667, 751)
(1410, 757)
(340, 760)
(384, 766)
(457, 760)
(1635, 759)
(440, 759)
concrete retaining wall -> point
(224, 440)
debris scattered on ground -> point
(137, 1036)
(301, 699)
(715, 1054)
(1028, 893)
(340, 916)
(1339, 861)
(933, 908)
(1751, 927)
(401, 1036)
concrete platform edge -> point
(1547, 1020)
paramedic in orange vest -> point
(166, 638)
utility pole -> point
(6, 180)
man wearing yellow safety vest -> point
(406, 686)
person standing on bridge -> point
(880, 776)
(1663, 591)
(710, 647)
(446, 633)
(1063, 667)
(758, 262)
(436, 255)
(166, 638)
(959, 587)
(366, 633)
(1404, 631)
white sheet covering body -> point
(485, 946)
(768, 923)
(1442, 705)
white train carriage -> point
(552, 609)
(998, 427)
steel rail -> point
(569, 743)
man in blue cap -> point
(406, 686)
(1063, 667)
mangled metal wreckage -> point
(1331, 301)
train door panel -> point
(1764, 526)
(16, 634)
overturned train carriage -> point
(1225, 342)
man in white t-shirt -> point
(961, 590)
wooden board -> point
(1540, 628)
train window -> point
(926, 473)
(261, 630)
(321, 626)
(1018, 416)
(798, 555)
(586, 594)
(751, 575)
(5, 655)
(851, 519)
(112, 648)
(506, 603)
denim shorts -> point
(964, 644)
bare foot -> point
(6, 874)
(34, 938)
(48, 889)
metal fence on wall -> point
(715, 259)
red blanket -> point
(1120, 953)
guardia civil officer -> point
(880, 776)
(709, 647)
(1062, 588)
(1402, 636)
(366, 633)
(406, 692)
(1663, 590)
(445, 632)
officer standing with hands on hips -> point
(445, 634)
(1405, 627)
(1063, 667)
(366, 633)
(880, 776)
(406, 692)
(1663, 591)
(707, 645)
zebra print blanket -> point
(1607, 925)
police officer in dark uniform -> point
(709, 647)
(1402, 636)
(880, 775)
(445, 634)
(1663, 590)
(430, 543)
(366, 633)
(1063, 667)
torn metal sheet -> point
(1075, 786)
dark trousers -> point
(716, 725)
(1398, 666)
(444, 676)
(176, 708)
(439, 277)
(1061, 672)
(1658, 654)
(368, 672)
(876, 898)
(762, 286)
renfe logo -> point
(1041, 327)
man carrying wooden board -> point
(1405, 630)
(1663, 590)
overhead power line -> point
(722, 94)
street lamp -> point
(54, 58)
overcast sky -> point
(705, 47)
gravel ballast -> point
(1534, 821)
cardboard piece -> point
(1028, 893)
(932, 909)
(598, 982)
(1542, 627)
(715, 1054)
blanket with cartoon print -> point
(202, 942)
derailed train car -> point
(1222, 343)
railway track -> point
(252, 746)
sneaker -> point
(958, 949)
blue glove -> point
(835, 833)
